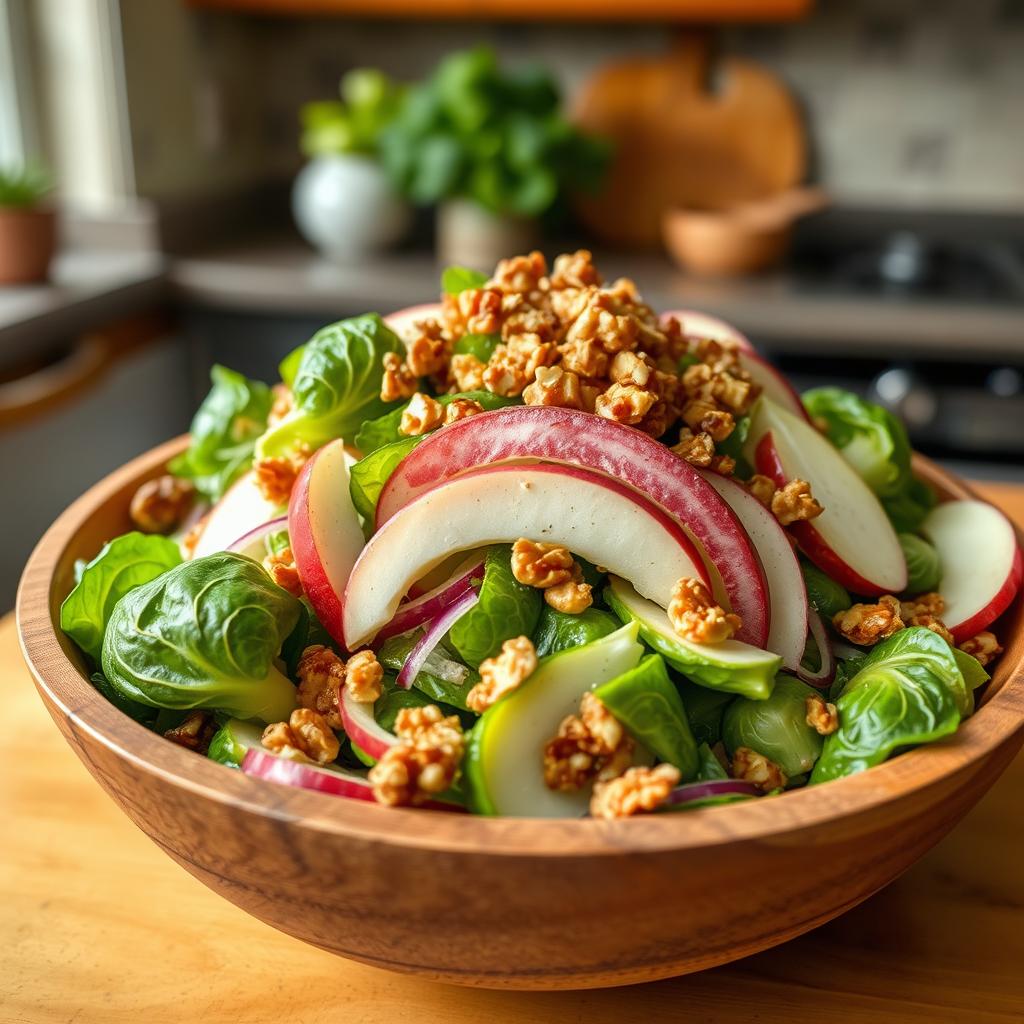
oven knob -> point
(902, 393)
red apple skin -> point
(623, 453)
(1000, 602)
(807, 537)
(262, 764)
(372, 744)
(312, 575)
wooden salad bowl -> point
(510, 903)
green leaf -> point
(368, 476)
(708, 766)
(376, 433)
(506, 609)
(142, 713)
(776, 728)
(647, 704)
(395, 651)
(480, 345)
(455, 280)
(335, 384)
(224, 432)
(875, 444)
(971, 669)
(123, 563)
(558, 631)
(909, 691)
(924, 570)
(704, 709)
(825, 595)
(205, 634)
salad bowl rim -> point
(61, 677)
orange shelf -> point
(529, 10)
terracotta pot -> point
(28, 238)
(470, 236)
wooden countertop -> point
(99, 927)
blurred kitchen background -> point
(886, 137)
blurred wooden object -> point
(689, 132)
(531, 10)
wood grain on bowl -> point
(511, 903)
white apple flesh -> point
(571, 437)
(981, 561)
(852, 540)
(262, 764)
(788, 623)
(402, 321)
(594, 516)
(324, 531)
(240, 510)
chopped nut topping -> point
(541, 565)
(695, 616)
(821, 716)
(574, 270)
(985, 647)
(585, 357)
(639, 789)
(282, 404)
(160, 505)
(281, 567)
(421, 415)
(460, 409)
(554, 386)
(363, 676)
(934, 624)
(306, 735)
(697, 449)
(708, 418)
(763, 488)
(723, 464)
(629, 368)
(750, 766)
(503, 673)
(195, 732)
(506, 373)
(590, 745)
(276, 477)
(794, 502)
(520, 273)
(867, 624)
(398, 381)
(467, 372)
(321, 675)
(572, 597)
(426, 350)
(925, 604)
(625, 403)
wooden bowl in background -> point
(510, 903)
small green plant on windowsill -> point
(28, 224)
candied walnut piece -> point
(696, 449)
(924, 604)
(398, 380)
(421, 415)
(467, 372)
(503, 673)
(794, 503)
(602, 320)
(630, 368)
(639, 789)
(194, 733)
(821, 715)
(541, 565)
(554, 386)
(625, 403)
(280, 565)
(585, 357)
(321, 676)
(574, 270)
(701, 415)
(750, 766)
(695, 616)
(426, 349)
(934, 624)
(276, 477)
(460, 409)
(591, 744)
(306, 733)
(572, 597)
(505, 373)
(520, 273)
(985, 647)
(363, 676)
(763, 488)
(160, 505)
(866, 624)
(724, 464)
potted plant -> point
(492, 148)
(343, 202)
(28, 225)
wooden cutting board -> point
(688, 130)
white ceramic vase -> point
(471, 236)
(346, 207)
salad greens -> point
(924, 571)
(481, 346)
(704, 709)
(909, 690)
(205, 634)
(368, 476)
(875, 443)
(507, 608)
(455, 280)
(335, 384)
(823, 593)
(395, 651)
(558, 631)
(123, 563)
(224, 432)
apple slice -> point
(696, 324)
(241, 509)
(401, 321)
(982, 566)
(787, 633)
(852, 540)
(335, 781)
(571, 437)
(362, 728)
(592, 515)
(325, 534)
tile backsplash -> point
(909, 102)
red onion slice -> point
(362, 728)
(826, 672)
(431, 604)
(252, 543)
(694, 791)
(432, 637)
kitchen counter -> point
(100, 927)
